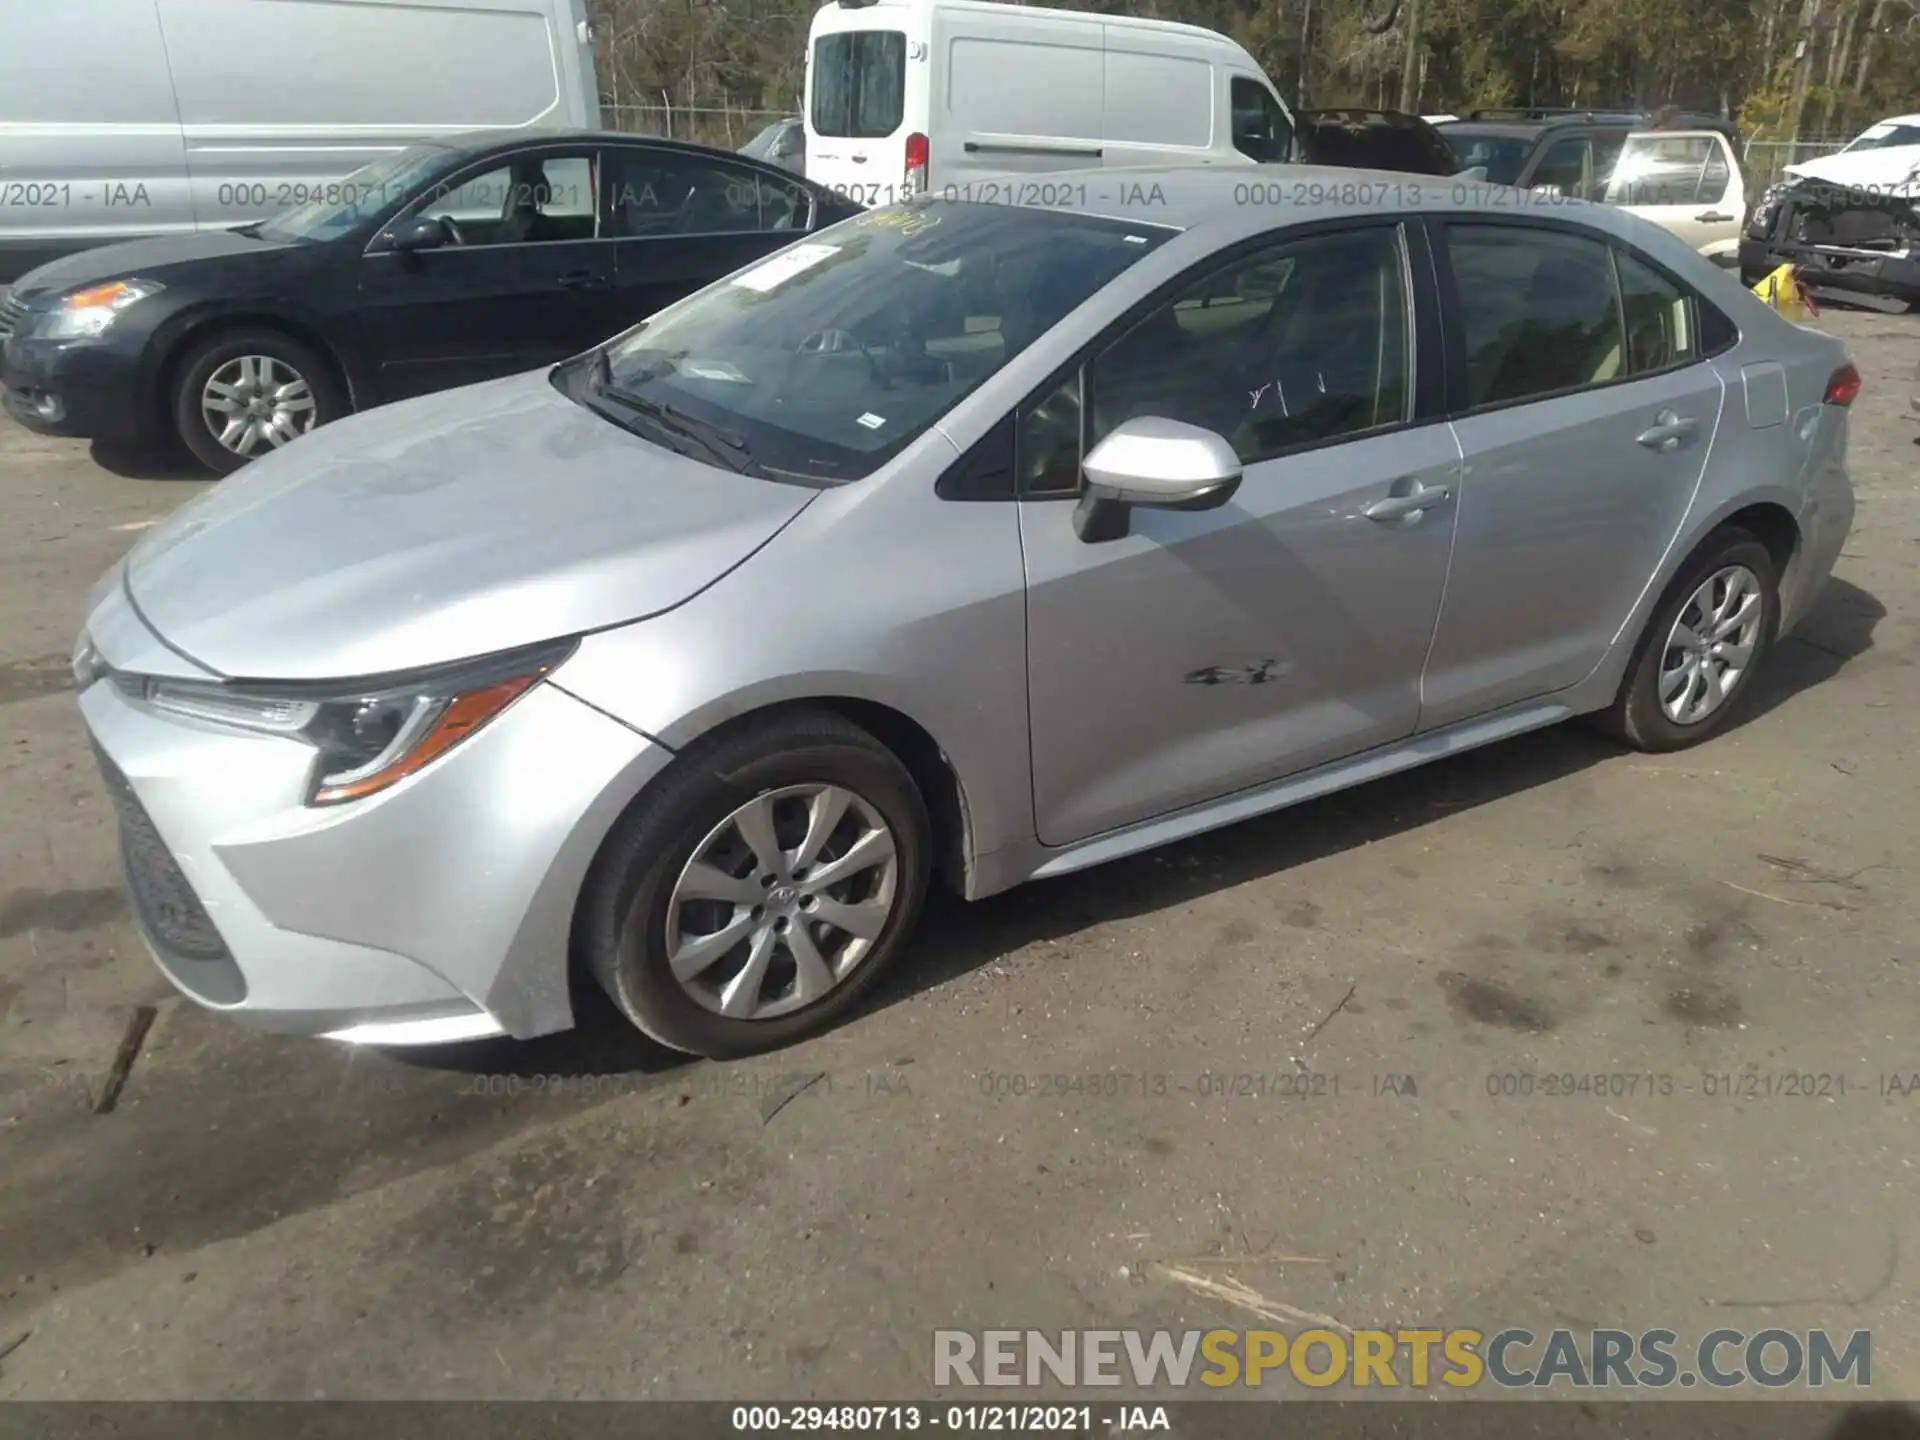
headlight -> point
(88, 314)
(369, 735)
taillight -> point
(1844, 385)
(916, 164)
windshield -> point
(341, 205)
(1502, 155)
(829, 357)
(859, 84)
(1886, 135)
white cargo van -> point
(905, 96)
(126, 118)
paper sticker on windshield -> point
(784, 266)
(871, 420)
(714, 370)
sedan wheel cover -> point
(1710, 648)
(255, 402)
(782, 901)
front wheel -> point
(761, 889)
(1709, 635)
(246, 393)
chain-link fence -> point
(725, 126)
(1766, 161)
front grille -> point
(12, 311)
(172, 913)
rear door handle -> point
(1666, 432)
(1398, 507)
(582, 280)
(1713, 217)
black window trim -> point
(591, 150)
(1453, 330)
(1418, 273)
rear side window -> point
(1539, 311)
(1659, 318)
(859, 84)
(1542, 312)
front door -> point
(1206, 652)
(1686, 181)
(524, 279)
(680, 221)
(1590, 413)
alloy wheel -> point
(1711, 645)
(782, 901)
(254, 399)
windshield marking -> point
(773, 273)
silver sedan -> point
(963, 542)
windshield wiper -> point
(717, 441)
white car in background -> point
(1883, 158)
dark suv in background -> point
(1572, 149)
(1373, 140)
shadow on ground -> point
(153, 462)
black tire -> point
(1636, 718)
(622, 930)
(205, 357)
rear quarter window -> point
(859, 84)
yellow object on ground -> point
(1781, 289)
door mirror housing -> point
(1157, 463)
(423, 232)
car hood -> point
(436, 529)
(145, 258)
(1895, 169)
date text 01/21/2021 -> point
(901, 1419)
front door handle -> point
(1713, 217)
(1666, 432)
(582, 280)
(1398, 507)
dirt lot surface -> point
(1290, 1039)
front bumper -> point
(1834, 270)
(440, 909)
(88, 390)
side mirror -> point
(1157, 463)
(423, 232)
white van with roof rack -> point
(909, 96)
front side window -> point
(830, 356)
(1656, 169)
(859, 84)
(1564, 167)
(1539, 310)
(528, 201)
(1295, 345)
(1501, 156)
(1261, 129)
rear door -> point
(1584, 409)
(1686, 181)
(526, 281)
(1157, 99)
(858, 111)
(680, 220)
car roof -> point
(476, 144)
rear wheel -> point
(246, 393)
(1711, 632)
(761, 889)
